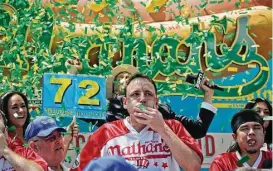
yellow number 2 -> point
(85, 99)
(65, 83)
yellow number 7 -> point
(65, 83)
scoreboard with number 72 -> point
(66, 95)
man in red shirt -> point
(248, 133)
(144, 139)
(14, 156)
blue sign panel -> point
(82, 96)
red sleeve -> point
(184, 136)
(89, 151)
(16, 145)
(224, 161)
(98, 139)
(216, 165)
(29, 154)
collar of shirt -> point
(264, 147)
(14, 141)
(63, 167)
(257, 162)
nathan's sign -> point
(220, 45)
(117, 11)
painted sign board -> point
(66, 95)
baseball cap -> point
(41, 126)
(109, 163)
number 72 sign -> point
(82, 96)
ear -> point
(6, 132)
(124, 100)
(234, 136)
(156, 103)
(33, 146)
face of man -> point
(51, 148)
(250, 137)
(140, 91)
(122, 79)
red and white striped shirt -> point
(145, 150)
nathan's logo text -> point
(139, 149)
(158, 55)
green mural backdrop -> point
(168, 39)
(34, 40)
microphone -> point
(192, 79)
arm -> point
(166, 111)
(198, 128)
(72, 131)
(216, 165)
(20, 158)
(190, 160)
(20, 163)
(179, 142)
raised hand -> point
(72, 131)
(208, 91)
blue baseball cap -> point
(41, 126)
(109, 163)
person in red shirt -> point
(248, 133)
(14, 156)
(264, 109)
(16, 109)
(144, 139)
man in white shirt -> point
(144, 138)
(45, 138)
